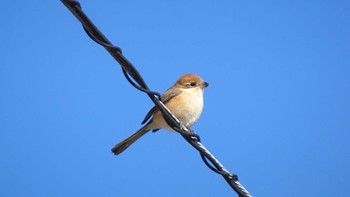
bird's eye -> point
(193, 84)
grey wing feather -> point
(166, 97)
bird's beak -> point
(205, 84)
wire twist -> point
(130, 71)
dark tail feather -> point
(121, 146)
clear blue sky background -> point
(277, 111)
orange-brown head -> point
(191, 81)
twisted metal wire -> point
(136, 80)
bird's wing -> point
(166, 97)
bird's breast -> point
(188, 106)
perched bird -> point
(184, 99)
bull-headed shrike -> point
(184, 99)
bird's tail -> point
(121, 146)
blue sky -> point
(277, 111)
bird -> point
(184, 100)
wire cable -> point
(137, 81)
